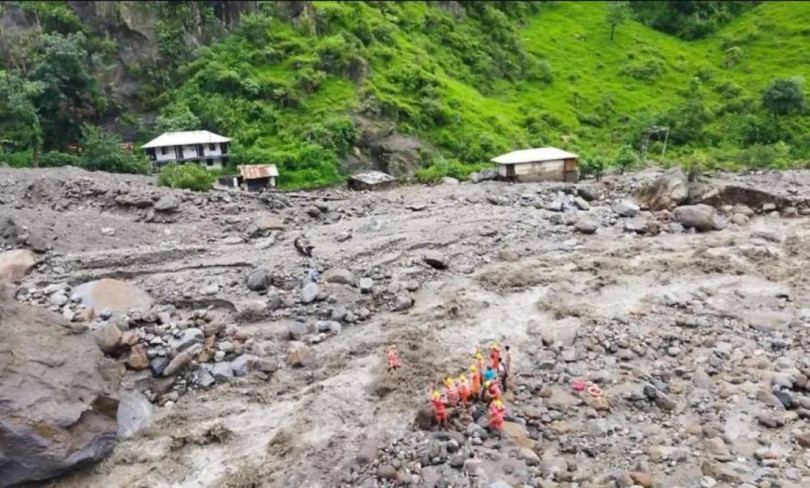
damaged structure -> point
(538, 164)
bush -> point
(441, 167)
(16, 159)
(626, 158)
(648, 69)
(101, 151)
(52, 159)
(594, 167)
(760, 156)
(187, 176)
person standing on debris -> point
(463, 390)
(475, 379)
(493, 391)
(473, 471)
(507, 363)
(393, 361)
(496, 414)
(494, 355)
(489, 374)
(450, 391)
(480, 362)
(439, 410)
(502, 374)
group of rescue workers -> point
(486, 381)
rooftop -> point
(185, 138)
(373, 177)
(533, 155)
(257, 171)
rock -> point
(785, 398)
(134, 414)
(699, 217)
(435, 259)
(770, 420)
(739, 219)
(300, 356)
(555, 205)
(588, 193)
(14, 265)
(58, 299)
(187, 338)
(158, 364)
(675, 228)
(112, 295)
(203, 378)
(790, 212)
(768, 207)
(328, 326)
(586, 226)
(403, 302)
(447, 180)
(387, 472)
(664, 402)
(338, 313)
(108, 338)
(368, 451)
(339, 276)
(232, 240)
(222, 371)
(366, 285)
(803, 439)
(178, 364)
(638, 225)
(665, 192)
(296, 330)
(242, 365)
(58, 395)
(581, 204)
(642, 479)
(343, 236)
(137, 359)
(267, 223)
(626, 208)
(309, 293)
(259, 279)
(166, 203)
(742, 209)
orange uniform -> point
(496, 414)
(495, 357)
(476, 381)
(464, 391)
(480, 363)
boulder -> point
(309, 293)
(14, 265)
(138, 359)
(586, 226)
(581, 204)
(296, 330)
(300, 356)
(108, 338)
(699, 217)
(114, 295)
(222, 371)
(665, 192)
(402, 303)
(158, 364)
(447, 180)
(178, 364)
(626, 208)
(186, 339)
(259, 279)
(58, 394)
(268, 223)
(588, 193)
(339, 276)
(366, 285)
(134, 414)
(435, 259)
(242, 365)
(167, 203)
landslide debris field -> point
(238, 361)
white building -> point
(198, 146)
(539, 164)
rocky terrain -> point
(239, 361)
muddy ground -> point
(713, 322)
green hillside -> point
(315, 93)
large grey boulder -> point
(167, 203)
(58, 395)
(259, 279)
(666, 191)
(309, 293)
(340, 276)
(699, 217)
(134, 414)
(626, 208)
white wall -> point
(546, 170)
(169, 156)
(217, 151)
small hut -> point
(372, 180)
(256, 177)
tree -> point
(19, 118)
(617, 13)
(626, 158)
(101, 151)
(783, 97)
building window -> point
(212, 147)
(209, 162)
(164, 150)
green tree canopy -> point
(19, 118)
(101, 151)
(617, 13)
(783, 97)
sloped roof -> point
(185, 138)
(256, 171)
(537, 154)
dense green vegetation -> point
(471, 80)
(188, 176)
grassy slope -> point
(587, 73)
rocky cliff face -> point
(57, 396)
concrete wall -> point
(208, 152)
(544, 171)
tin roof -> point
(185, 139)
(533, 155)
(256, 171)
(373, 177)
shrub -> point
(626, 158)
(188, 176)
(760, 156)
(441, 167)
(54, 159)
(648, 69)
(101, 151)
(594, 167)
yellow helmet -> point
(478, 355)
(436, 394)
(494, 345)
(462, 378)
(487, 383)
(473, 369)
(448, 381)
(498, 403)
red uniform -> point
(494, 391)
(495, 356)
(439, 411)
(452, 394)
(393, 360)
(496, 415)
(464, 392)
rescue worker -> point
(490, 374)
(493, 391)
(393, 361)
(451, 392)
(494, 355)
(480, 363)
(439, 410)
(497, 411)
(475, 378)
(463, 390)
